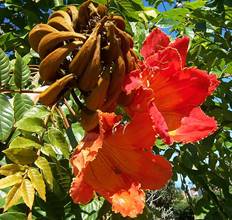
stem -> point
(70, 108)
(17, 91)
(76, 99)
(62, 115)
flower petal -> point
(85, 152)
(167, 59)
(194, 127)
(181, 44)
(80, 191)
(159, 124)
(129, 203)
(155, 41)
(180, 91)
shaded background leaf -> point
(21, 104)
(21, 72)
(4, 68)
(6, 117)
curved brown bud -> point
(119, 22)
(62, 14)
(89, 120)
(89, 78)
(51, 40)
(83, 15)
(50, 64)
(115, 88)
(111, 51)
(82, 58)
(73, 12)
(61, 24)
(37, 33)
(53, 93)
(102, 10)
(98, 95)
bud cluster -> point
(86, 49)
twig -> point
(18, 91)
(62, 115)
(76, 99)
(70, 108)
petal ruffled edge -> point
(85, 152)
(214, 83)
(195, 127)
(129, 202)
(181, 44)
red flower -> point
(170, 93)
(118, 164)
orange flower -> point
(170, 93)
(118, 164)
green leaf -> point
(58, 140)
(194, 5)
(62, 176)
(21, 72)
(10, 169)
(4, 68)
(28, 192)
(78, 131)
(130, 9)
(160, 144)
(38, 112)
(21, 104)
(38, 182)
(21, 142)
(48, 150)
(31, 124)
(21, 155)
(13, 196)
(43, 164)
(91, 209)
(58, 2)
(10, 180)
(6, 117)
(13, 216)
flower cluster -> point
(116, 160)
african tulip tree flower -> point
(118, 164)
(170, 93)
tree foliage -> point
(36, 144)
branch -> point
(18, 91)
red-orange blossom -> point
(117, 161)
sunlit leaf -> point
(38, 111)
(58, 140)
(6, 117)
(48, 150)
(37, 181)
(43, 164)
(13, 196)
(9, 169)
(21, 155)
(10, 180)
(22, 142)
(4, 68)
(31, 124)
(21, 72)
(28, 192)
